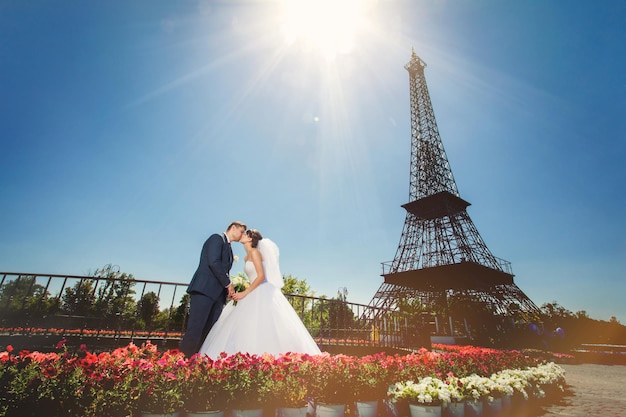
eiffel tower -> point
(442, 265)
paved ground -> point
(593, 391)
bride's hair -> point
(255, 235)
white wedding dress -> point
(263, 322)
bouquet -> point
(240, 283)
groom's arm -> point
(216, 264)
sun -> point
(328, 26)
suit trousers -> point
(203, 313)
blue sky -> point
(132, 130)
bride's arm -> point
(257, 261)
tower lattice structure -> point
(442, 263)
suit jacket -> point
(213, 273)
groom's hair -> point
(236, 224)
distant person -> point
(559, 332)
(210, 286)
(560, 344)
(263, 321)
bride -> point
(262, 320)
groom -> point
(210, 286)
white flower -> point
(476, 386)
(240, 283)
(427, 390)
(236, 258)
(529, 382)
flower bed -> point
(132, 379)
(53, 331)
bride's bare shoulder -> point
(255, 254)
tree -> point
(318, 321)
(582, 314)
(553, 312)
(341, 318)
(23, 297)
(148, 309)
(178, 315)
(296, 286)
(298, 292)
(580, 328)
(164, 321)
(115, 293)
(79, 299)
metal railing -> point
(113, 308)
(388, 267)
(70, 305)
(505, 265)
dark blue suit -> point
(207, 291)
